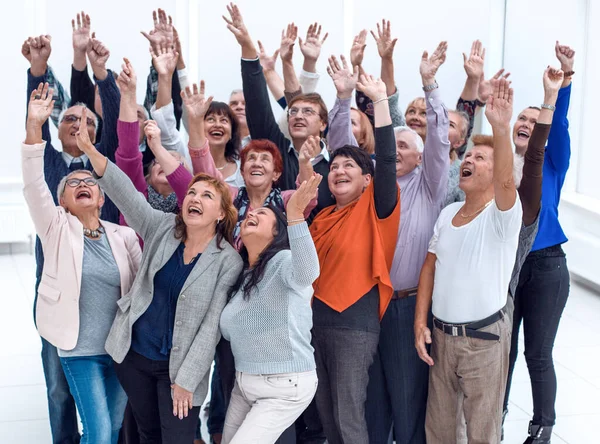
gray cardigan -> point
(202, 298)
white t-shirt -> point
(474, 262)
(236, 179)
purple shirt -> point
(422, 192)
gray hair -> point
(236, 91)
(418, 141)
(60, 191)
(92, 114)
(466, 121)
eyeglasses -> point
(308, 112)
(89, 181)
(71, 118)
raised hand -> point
(194, 101)
(177, 44)
(164, 60)
(566, 57)
(474, 64)
(163, 32)
(81, 32)
(152, 132)
(302, 196)
(553, 79)
(266, 61)
(311, 47)
(98, 55)
(385, 43)
(343, 78)
(357, 52)
(310, 149)
(40, 105)
(500, 104)
(237, 27)
(83, 137)
(485, 86)
(127, 79)
(430, 65)
(373, 88)
(288, 39)
(26, 50)
(40, 50)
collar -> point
(323, 155)
(70, 159)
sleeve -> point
(129, 156)
(111, 102)
(133, 245)
(42, 209)
(203, 162)
(201, 354)
(469, 107)
(133, 205)
(179, 181)
(82, 88)
(437, 146)
(397, 115)
(340, 125)
(530, 189)
(436, 233)
(366, 106)
(287, 194)
(32, 83)
(184, 82)
(170, 137)
(308, 81)
(508, 223)
(559, 141)
(384, 183)
(151, 90)
(61, 98)
(303, 268)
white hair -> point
(90, 114)
(418, 141)
(60, 191)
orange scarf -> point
(355, 250)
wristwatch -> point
(431, 87)
(550, 107)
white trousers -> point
(263, 406)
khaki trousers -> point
(476, 367)
(263, 406)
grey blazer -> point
(202, 298)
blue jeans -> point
(99, 397)
(61, 406)
(398, 380)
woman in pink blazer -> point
(89, 265)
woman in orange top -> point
(355, 241)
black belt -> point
(401, 294)
(471, 329)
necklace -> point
(94, 234)
(478, 211)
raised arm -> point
(499, 112)
(384, 183)
(385, 47)
(82, 87)
(340, 123)
(40, 49)
(474, 68)
(304, 267)
(437, 145)
(274, 82)
(164, 60)
(311, 49)
(286, 50)
(559, 141)
(530, 190)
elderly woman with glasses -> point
(89, 265)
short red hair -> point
(263, 145)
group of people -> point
(355, 275)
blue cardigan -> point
(556, 164)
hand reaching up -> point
(310, 149)
(385, 43)
(83, 137)
(302, 196)
(237, 27)
(127, 79)
(343, 78)
(357, 52)
(164, 60)
(485, 86)
(566, 57)
(500, 104)
(195, 102)
(98, 55)
(288, 39)
(373, 88)
(163, 33)
(311, 47)
(267, 62)
(152, 132)
(81, 32)
(474, 64)
(430, 64)
(40, 105)
(26, 50)
(553, 79)
(40, 50)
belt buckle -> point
(454, 331)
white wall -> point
(519, 35)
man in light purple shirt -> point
(398, 379)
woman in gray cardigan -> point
(268, 322)
(164, 335)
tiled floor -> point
(23, 409)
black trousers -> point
(148, 387)
(540, 299)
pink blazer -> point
(61, 234)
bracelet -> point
(569, 74)
(431, 87)
(380, 100)
(550, 107)
(295, 220)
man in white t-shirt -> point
(466, 275)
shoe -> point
(539, 434)
(504, 413)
